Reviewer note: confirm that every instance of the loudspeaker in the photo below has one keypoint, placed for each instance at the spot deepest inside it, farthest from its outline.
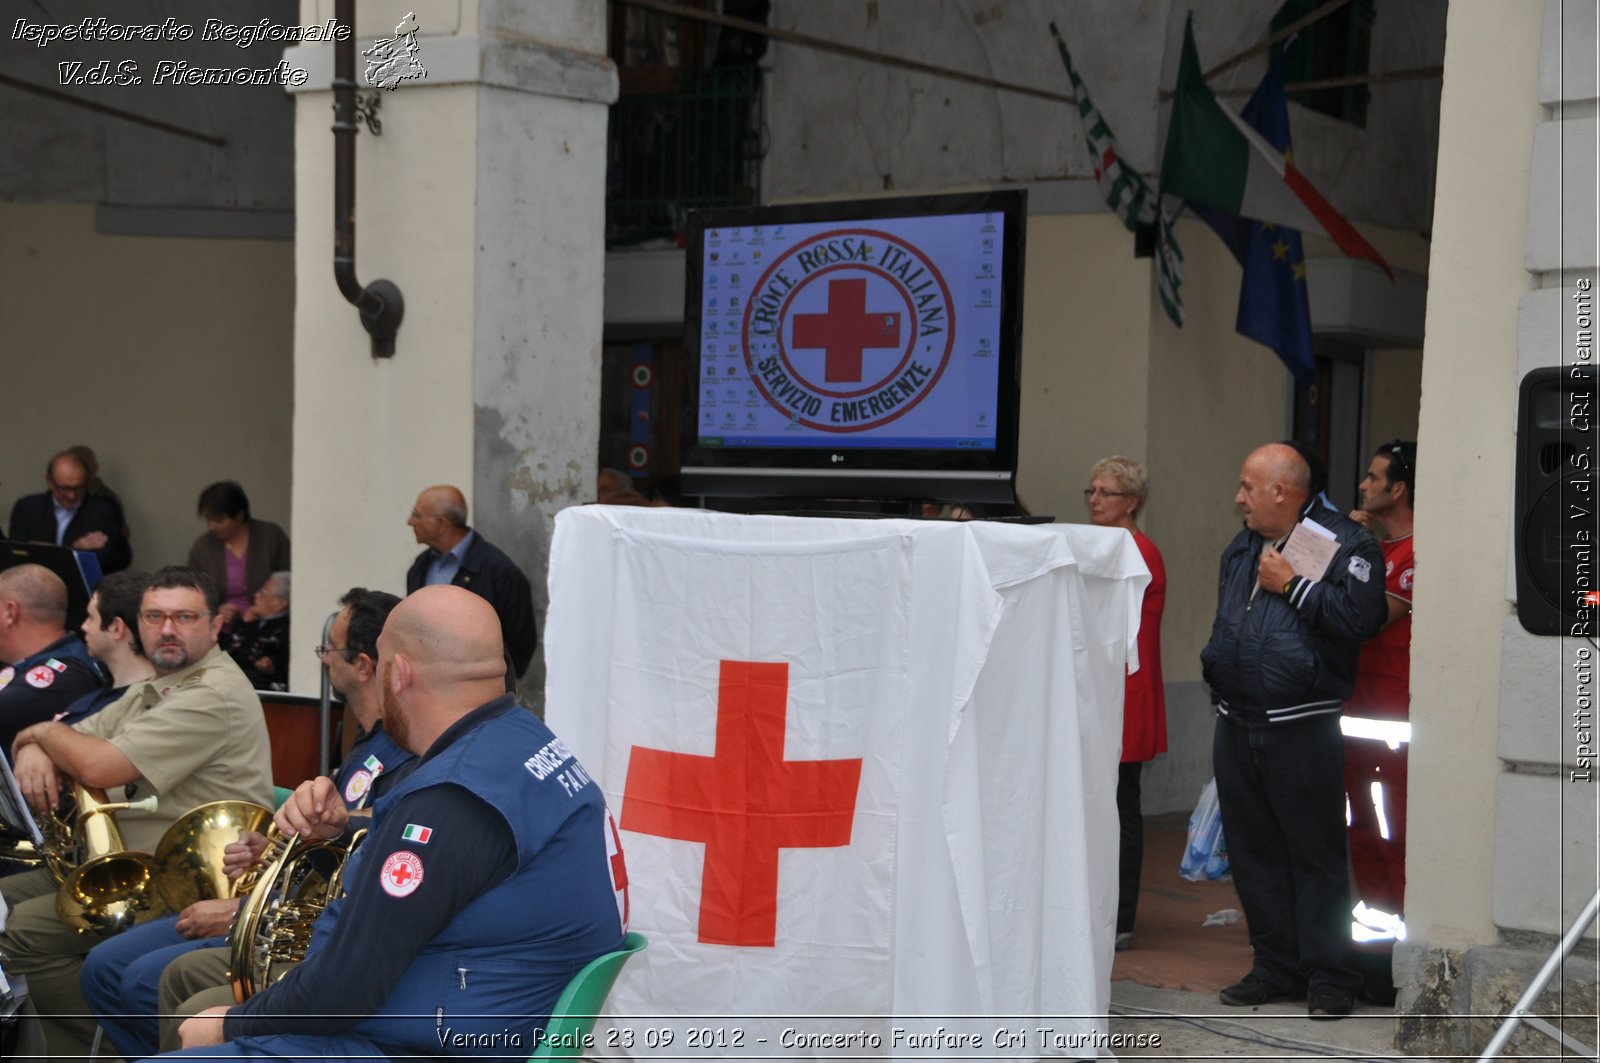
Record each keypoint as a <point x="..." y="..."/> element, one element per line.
<point x="1556" y="501"/>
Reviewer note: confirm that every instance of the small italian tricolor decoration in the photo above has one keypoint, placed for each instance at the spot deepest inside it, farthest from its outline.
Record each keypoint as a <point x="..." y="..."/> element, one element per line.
<point x="374" y="765"/>
<point x="415" y="832"/>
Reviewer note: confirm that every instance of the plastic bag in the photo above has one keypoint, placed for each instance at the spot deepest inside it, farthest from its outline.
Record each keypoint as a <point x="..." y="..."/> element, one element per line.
<point x="1206" y="855"/>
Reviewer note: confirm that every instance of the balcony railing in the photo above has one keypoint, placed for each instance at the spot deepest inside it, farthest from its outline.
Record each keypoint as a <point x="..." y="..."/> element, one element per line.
<point x="696" y="141"/>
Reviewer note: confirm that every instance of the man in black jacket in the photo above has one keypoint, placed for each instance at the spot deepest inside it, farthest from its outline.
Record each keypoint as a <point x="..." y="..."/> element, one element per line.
<point x="460" y="556"/>
<point x="69" y="515"/>
<point x="1282" y="657"/>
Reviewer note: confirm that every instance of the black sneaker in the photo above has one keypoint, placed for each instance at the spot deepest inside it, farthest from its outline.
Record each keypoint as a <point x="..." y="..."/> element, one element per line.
<point x="1250" y="991"/>
<point x="1328" y="1002"/>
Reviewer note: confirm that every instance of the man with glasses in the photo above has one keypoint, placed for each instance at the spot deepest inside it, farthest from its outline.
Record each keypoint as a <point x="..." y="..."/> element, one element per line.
<point x="69" y="515"/>
<point x="1279" y="664"/>
<point x="191" y="734"/>
<point x="123" y="978"/>
<point x="1375" y="771"/>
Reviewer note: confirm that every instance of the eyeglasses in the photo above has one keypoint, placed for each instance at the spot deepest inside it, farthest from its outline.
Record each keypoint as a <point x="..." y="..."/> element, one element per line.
<point x="1090" y="493"/>
<point x="68" y="489"/>
<point x="349" y="652"/>
<point x="184" y="618"/>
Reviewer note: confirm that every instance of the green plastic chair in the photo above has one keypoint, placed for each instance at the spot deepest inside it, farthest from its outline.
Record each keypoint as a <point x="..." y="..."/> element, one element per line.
<point x="573" y="1017"/>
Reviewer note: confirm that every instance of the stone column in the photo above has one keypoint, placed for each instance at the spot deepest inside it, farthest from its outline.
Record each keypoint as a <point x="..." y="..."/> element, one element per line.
<point x="483" y="199"/>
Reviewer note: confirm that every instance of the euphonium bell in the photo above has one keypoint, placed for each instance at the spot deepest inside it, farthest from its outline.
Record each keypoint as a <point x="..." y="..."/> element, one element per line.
<point x="112" y="888"/>
<point x="190" y="853"/>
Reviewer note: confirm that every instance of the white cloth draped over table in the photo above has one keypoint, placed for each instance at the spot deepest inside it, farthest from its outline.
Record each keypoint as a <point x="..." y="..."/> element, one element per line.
<point x="937" y="773"/>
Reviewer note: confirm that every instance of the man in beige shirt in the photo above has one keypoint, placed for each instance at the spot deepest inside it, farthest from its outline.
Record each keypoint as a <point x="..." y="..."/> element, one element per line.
<point x="191" y="734"/>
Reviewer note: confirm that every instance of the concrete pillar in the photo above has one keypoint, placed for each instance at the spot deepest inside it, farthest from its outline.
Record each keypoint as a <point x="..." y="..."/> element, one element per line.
<point x="1466" y="446"/>
<point x="483" y="199"/>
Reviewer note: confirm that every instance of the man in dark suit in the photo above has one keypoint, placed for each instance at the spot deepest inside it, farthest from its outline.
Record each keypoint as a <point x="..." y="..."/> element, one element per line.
<point x="460" y="556"/>
<point x="68" y="515"/>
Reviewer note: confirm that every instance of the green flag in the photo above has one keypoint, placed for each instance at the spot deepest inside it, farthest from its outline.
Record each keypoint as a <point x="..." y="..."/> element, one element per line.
<point x="1127" y="193"/>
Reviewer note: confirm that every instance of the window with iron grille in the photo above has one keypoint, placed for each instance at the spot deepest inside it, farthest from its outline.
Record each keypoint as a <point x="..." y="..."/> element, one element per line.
<point x="686" y="130"/>
<point x="1339" y="45"/>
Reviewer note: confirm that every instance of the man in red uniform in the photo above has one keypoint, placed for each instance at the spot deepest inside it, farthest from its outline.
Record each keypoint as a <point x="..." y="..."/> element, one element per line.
<point x="1375" y="770"/>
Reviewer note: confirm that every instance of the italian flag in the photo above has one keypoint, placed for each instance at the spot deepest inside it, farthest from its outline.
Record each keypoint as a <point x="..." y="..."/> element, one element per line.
<point x="1213" y="159"/>
<point x="417" y="833"/>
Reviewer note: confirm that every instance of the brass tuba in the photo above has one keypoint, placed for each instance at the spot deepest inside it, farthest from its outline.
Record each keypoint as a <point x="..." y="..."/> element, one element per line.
<point x="122" y="888"/>
<point x="299" y="877"/>
<point x="112" y="887"/>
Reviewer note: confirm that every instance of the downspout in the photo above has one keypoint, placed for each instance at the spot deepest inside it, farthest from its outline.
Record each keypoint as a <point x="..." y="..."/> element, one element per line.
<point x="379" y="303"/>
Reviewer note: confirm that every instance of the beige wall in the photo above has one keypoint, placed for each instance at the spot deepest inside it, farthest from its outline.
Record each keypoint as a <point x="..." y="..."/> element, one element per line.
<point x="372" y="432"/>
<point x="1085" y="354"/>
<point x="171" y="357"/>
<point x="1395" y="387"/>
<point x="1217" y="397"/>
<point x="1466" y="450"/>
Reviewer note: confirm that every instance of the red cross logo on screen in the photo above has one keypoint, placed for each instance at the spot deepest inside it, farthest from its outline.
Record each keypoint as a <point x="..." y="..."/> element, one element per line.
<point x="745" y="803"/>
<point x="846" y="330"/>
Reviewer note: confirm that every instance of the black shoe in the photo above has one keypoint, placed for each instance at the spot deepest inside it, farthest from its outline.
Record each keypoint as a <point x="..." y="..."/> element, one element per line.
<point x="1250" y="991"/>
<point x="1328" y="1002"/>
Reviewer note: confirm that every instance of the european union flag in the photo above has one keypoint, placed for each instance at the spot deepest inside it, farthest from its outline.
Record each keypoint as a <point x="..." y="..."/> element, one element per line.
<point x="1273" y="307"/>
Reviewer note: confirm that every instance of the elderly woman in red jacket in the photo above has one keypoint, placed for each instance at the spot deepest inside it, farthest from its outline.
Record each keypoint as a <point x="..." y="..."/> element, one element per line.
<point x="1116" y="494"/>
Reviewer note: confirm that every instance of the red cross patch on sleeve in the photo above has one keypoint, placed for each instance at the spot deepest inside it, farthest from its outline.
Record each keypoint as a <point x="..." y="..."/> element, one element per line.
<point x="401" y="874"/>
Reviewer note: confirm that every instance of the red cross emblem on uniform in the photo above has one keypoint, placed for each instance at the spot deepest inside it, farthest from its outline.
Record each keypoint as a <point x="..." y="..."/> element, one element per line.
<point x="744" y="803"/>
<point x="401" y="874"/>
<point x="40" y="677"/>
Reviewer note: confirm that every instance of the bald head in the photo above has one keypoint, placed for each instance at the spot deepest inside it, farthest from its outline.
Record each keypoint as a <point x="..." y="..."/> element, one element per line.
<point x="609" y="483"/>
<point x="444" y="500"/>
<point x="33" y="611"/>
<point x="1283" y="463"/>
<point x="449" y="634"/>
<point x="439" y="519"/>
<point x="1273" y="487"/>
<point x="440" y="656"/>
<point x="38" y="594"/>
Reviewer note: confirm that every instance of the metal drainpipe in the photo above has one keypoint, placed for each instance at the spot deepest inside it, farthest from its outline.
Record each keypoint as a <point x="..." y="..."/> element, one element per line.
<point x="380" y="303"/>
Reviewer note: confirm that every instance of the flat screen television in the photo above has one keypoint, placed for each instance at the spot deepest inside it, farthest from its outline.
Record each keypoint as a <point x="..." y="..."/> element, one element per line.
<point x="856" y="350"/>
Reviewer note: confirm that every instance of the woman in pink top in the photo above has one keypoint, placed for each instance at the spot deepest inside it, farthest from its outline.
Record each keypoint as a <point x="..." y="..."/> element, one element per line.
<point x="1116" y="495"/>
<point x="236" y="551"/>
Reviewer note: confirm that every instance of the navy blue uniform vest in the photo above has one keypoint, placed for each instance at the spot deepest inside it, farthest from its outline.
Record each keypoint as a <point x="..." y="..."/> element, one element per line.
<point x="371" y="765"/>
<point x="496" y="970"/>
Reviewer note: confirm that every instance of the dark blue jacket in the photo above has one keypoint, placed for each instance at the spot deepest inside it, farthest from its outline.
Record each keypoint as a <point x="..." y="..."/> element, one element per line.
<point x="1278" y="658"/>
<point x="39" y="687"/>
<point x="372" y="767"/>
<point x="496" y="967"/>
<point x="487" y="572"/>
<point x="33" y="519"/>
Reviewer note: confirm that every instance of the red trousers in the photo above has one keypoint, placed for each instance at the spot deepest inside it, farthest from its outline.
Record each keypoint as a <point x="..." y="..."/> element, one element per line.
<point x="1378" y="865"/>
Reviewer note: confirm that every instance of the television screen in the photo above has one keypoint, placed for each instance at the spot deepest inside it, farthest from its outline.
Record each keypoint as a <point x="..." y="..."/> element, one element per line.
<point x="856" y="350"/>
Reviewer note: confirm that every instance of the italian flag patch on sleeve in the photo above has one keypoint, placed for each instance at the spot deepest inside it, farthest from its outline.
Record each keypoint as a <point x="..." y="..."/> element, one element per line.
<point x="415" y="832"/>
